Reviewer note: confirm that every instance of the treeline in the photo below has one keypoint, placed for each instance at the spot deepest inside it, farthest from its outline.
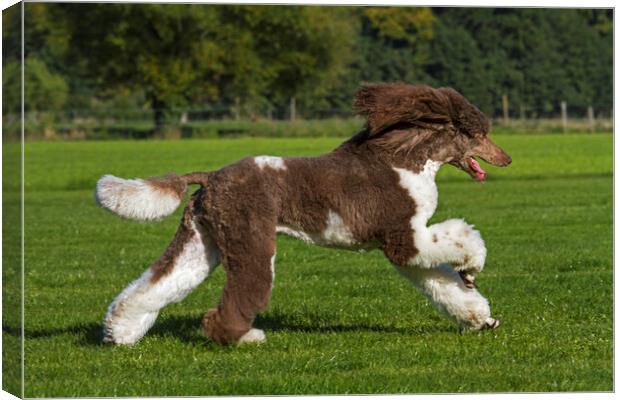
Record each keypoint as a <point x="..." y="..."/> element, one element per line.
<point x="256" y="60"/>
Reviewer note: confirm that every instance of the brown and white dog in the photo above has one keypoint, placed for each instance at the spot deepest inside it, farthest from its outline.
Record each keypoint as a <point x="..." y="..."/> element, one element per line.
<point x="376" y="190"/>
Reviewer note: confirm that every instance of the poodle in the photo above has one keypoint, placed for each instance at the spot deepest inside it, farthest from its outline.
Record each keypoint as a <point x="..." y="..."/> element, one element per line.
<point x="375" y="191"/>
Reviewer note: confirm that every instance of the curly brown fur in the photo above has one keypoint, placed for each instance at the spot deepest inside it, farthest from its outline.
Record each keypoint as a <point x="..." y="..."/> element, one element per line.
<point x="387" y="104"/>
<point x="465" y="116"/>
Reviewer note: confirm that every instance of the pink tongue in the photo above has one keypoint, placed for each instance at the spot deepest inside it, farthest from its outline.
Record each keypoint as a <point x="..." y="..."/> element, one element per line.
<point x="480" y="173"/>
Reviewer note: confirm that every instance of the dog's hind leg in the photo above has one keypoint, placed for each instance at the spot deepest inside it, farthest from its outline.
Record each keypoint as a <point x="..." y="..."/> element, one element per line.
<point x="249" y="278"/>
<point x="444" y="287"/>
<point x="187" y="261"/>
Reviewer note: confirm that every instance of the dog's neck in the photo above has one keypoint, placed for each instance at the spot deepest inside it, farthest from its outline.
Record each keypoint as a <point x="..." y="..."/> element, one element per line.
<point x="422" y="188"/>
<point x="431" y="168"/>
<point x="418" y="160"/>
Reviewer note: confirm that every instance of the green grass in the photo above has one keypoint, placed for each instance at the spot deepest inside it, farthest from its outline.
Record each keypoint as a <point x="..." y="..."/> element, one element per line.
<point x="338" y="322"/>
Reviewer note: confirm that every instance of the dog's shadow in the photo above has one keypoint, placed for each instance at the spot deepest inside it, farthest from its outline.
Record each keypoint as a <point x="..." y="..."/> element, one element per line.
<point x="88" y="334"/>
<point x="318" y="324"/>
<point x="187" y="328"/>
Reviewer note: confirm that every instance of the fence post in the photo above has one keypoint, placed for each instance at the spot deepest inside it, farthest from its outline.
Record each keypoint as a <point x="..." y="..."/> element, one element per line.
<point x="564" y="117"/>
<point x="293" y="107"/>
<point x="505" y="107"/>
<point x="591" y="118"/>
<point x="237" y="108"/>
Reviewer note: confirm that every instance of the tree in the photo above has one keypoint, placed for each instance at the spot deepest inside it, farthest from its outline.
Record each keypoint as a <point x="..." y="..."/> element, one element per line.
<point x="537" y="57"/>
<point x="43" y="90"/>
<point x="299" y="51"/>
<point x="456" y="61"/>
<point x="187" y="54"/>
<point x="390" y="44"/>
<point x="168" y="57"/>
<point x="166" y="51"/>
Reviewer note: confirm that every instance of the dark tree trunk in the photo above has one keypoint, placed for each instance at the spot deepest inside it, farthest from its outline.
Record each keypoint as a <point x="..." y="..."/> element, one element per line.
<point x="159" y="114"/>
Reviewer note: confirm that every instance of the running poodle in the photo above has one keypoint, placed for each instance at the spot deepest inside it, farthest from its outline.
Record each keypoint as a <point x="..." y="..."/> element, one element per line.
<point x="376" y="190"/>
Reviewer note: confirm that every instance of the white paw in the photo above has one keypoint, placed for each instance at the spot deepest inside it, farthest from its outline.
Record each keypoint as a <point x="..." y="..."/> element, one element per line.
<point x="490" y="323"/>
<point x="126" y="328"/>
<point x="253" y="336"/>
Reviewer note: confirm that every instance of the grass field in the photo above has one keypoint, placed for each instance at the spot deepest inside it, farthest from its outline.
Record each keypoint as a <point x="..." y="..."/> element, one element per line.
<point x="339" y="322"/>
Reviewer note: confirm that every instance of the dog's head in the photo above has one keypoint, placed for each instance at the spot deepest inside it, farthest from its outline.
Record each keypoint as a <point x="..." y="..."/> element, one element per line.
<point x="439" y="123"/>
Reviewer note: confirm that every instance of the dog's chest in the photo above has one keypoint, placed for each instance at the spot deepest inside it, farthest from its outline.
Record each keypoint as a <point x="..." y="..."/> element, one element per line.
<point x="422" y="190"/>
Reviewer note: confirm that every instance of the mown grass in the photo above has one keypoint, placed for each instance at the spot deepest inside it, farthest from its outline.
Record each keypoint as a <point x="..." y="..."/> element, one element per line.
<point x="339" y="322"/>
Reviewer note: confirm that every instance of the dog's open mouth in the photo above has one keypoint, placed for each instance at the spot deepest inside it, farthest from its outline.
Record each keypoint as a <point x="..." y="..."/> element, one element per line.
<point x="475" y="167"/>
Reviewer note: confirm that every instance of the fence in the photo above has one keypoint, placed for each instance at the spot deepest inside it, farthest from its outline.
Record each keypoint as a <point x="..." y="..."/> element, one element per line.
<point x="111" y="123"/>
<point x="561" y="117"/>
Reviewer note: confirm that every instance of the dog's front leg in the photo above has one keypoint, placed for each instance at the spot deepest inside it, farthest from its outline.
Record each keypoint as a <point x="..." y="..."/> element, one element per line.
<point x="454" y="242"/>
<point x="249" y="280"/>
<point x="443" y="286"/>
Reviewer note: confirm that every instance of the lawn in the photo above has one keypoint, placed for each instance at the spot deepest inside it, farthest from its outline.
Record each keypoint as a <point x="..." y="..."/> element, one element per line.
<point x="338" y="322"/>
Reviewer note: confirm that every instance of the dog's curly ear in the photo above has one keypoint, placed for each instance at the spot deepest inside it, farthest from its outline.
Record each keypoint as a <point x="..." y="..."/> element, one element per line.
<point x="465" y="116"/>
<point x="387" y="104"/>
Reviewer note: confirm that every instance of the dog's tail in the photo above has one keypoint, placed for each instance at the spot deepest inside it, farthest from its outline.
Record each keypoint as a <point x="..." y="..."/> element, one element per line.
<point x="145" y="199"/>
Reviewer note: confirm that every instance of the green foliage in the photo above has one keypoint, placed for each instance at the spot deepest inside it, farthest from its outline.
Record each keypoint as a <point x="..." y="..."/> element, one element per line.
<point x="251" y="60"/>
<point x="276" y="53"/>
<point x="11" y="33"/>
<point x="411" y="25"/>
<point x="339" y="321"/>
<point x="165" y="51"/>
<point x="190" y="54"/>
<point x="391" y="45"/>
<point x="44" y="90"/>
<point x="538" y="57"/>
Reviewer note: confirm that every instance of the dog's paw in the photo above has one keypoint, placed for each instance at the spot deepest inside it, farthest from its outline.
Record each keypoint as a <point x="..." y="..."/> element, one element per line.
<point x="208" y="321"/>
<point x="469" y="279"/>
<point x="490" y="324"/>
<point x="253" y="336"/>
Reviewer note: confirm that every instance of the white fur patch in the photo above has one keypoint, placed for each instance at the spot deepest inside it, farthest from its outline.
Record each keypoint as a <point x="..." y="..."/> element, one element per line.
<point x="444" y="287"/>
<point x="336" y="234"/>
<point x="135" y="198"/>
<point x="272" y="267"/>
<point x="423" y="190"/>
<point x="297" y="234"/>
<point x="452" y="241"/>
<point x="270" y="161"/>
<point x="134" y="311"/>
<point x="253" y="336"/>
